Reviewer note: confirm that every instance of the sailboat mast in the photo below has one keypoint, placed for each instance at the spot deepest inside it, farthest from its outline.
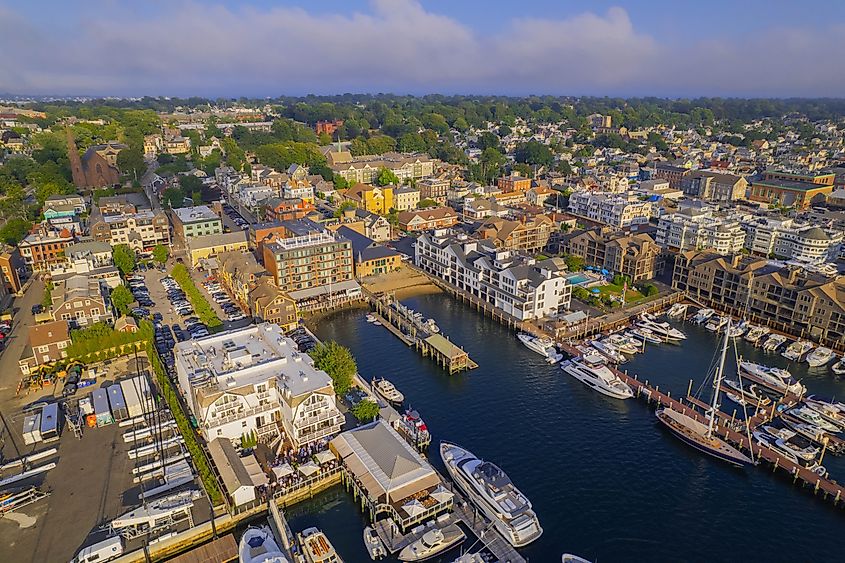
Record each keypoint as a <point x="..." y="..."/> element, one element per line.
<point x="718" y="382"/>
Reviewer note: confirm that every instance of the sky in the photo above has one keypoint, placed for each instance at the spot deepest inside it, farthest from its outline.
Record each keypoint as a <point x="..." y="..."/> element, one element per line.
<point x="258" y="48"/>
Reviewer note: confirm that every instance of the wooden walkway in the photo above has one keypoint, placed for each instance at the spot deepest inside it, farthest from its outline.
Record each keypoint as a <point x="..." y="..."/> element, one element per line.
<point x="733" y="431"/>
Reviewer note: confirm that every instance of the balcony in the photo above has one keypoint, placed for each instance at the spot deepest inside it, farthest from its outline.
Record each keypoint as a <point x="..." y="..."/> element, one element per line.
<point x="300" y="423"/>
<point x="240" y="415"/>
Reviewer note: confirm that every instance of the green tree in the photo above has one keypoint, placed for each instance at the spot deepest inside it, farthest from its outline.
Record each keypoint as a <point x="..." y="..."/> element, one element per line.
<point x="337" y="361"/>
<point x="534" y="153"/>
<point x="121" y="298"/>
<point x="124" y="259"/>
<point x="343" y="207"/>
<point x="14" y="230"/>
<point x="386" y="177"/>
<point x="366" y="410"/>
<point x="427" y="202"/>
<point x="130" y="161"/>
<point x="173" y="198"/>
<point x="574" y="263"/>
<point x="161" y="253"/>
<point x="47" y="298"/>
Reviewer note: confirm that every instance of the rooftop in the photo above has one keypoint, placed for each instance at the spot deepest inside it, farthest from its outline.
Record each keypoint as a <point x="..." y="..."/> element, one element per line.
<point x="195" y="214"/>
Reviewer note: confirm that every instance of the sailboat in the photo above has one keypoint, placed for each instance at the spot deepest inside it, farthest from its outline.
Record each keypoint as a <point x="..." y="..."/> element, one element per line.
<point x="699" y="435"/>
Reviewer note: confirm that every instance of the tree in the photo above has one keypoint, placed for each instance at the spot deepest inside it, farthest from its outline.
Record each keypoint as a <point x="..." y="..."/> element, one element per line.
<point x="386" y="177"/>
<point x="124" y="259"/>
<point x="534" y="153"/>
<point x="161" y="253"/>
<point x="343" y="207"/>
<point x="14" y="230"/>
<point x="323" y="170"/>
<point x="366" y="410"/>
<point x="47" y="298"/>
<point x="427" y="202"/>
<point x="130" y="161"/>
<point x="574" y="263"/>
<point x="173" y="198"/>
<point x="337" y="361"/>
<point x="121" y="298"/>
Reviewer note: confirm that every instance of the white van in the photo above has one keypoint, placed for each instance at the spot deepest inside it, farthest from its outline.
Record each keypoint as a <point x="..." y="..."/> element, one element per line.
<point x="105" y="550"/>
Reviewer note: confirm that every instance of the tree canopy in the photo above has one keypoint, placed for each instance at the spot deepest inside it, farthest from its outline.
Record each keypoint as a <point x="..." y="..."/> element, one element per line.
<point x="124" y="259"/>
<point x="122" y="298"/>
<point x="337" y="361"/>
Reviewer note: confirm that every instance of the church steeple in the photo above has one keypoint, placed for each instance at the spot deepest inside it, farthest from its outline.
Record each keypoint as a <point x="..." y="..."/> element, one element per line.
<point x="79" y="179"/>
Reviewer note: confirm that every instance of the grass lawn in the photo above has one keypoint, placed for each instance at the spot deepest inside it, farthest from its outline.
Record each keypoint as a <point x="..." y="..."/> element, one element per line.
<point x="631" y="296"/>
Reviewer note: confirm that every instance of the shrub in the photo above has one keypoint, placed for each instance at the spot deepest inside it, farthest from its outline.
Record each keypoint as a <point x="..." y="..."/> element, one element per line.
<point x="365" y="411"/>
<point x="198" y="301"/>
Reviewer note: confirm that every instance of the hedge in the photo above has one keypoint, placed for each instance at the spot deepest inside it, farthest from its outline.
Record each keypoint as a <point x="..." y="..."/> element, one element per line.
<point x="201" y="305"/>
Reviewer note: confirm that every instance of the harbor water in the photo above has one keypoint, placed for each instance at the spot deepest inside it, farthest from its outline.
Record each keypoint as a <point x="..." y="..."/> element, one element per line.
<point x="607" y="482"/>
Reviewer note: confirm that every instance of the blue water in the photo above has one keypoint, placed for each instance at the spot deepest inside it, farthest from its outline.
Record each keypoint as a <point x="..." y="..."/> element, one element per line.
<point x="578" y="279"/>
<point x="606" y="481"/>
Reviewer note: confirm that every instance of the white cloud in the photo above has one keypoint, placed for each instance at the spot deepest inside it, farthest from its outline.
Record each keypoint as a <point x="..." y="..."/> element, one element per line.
<point x="399" y="46"/>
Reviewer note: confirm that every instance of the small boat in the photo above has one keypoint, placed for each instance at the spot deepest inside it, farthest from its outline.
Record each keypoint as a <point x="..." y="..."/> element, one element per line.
<point x="431" y="326"/>
<point x="790" y="441"/>
<point x="750" y="393"/>
<point x="755" y="334"/>
<point x="373" y="544"/>
<point x="376" y="323"/>
<point x="737" y="330"/>
<point x="609" y="351"/>
<point x="569" y="558"/>
<point x="703" y="315"/>
<point x="821" y="356"/>
<point x="645" y="335"/>
<point x="805" y="429"/>
<point x="812" y="417"/>
<point x="476" y="557"/>
<point x="661" y="329"/>
<point x="258" y="545"/>
<point x="388" y="391"/>
<point x="624" y="343"/>
<point x="412" y="427"/>
<point x="776" y="378"/>
<point x="371" y="318"/>
<point x="839" y="367"/>
<point x="769" y="441"/>
<point x="541" y="345"/>
<point x="677" y="311"/>
<point x="828" y="411"/>
<point x="432" y="543"/>
<point x="797" y="350"/>
<point x="317" y="547"/>
<point x="592" y="372"/>
<point x="716" y="324"/>
<point x="773" y="342"/>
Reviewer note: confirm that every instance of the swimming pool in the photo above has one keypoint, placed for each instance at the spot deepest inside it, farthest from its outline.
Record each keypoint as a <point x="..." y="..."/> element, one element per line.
<point x="578" y="279"/>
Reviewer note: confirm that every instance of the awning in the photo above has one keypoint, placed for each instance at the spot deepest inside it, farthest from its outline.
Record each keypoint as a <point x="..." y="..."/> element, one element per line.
<point x="413" y="508"/>
<point x="441" y="495"/>
<point x="308" y="469"/>
<point x="282" y="470"/>
<point x="324" y="457"/>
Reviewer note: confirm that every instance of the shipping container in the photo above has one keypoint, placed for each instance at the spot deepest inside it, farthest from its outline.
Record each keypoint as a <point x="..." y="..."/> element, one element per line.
<point x="101" y="407"/>
<point x="136" y="396"/>
<point x="32" y="429"/>
<point x="50" y="422"/>
<point x="118" y="405"/>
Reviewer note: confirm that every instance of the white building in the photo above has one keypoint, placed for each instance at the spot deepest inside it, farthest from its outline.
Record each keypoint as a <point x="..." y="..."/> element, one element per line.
<point x="786" y="239"/>
<point x="298" y="190"/>
<point x="251" y="195"/>
<point x="700" y="228"/>
<point x="518" y="285"/>
<point x="611" y="209"/>
<point x="254" y="380"/>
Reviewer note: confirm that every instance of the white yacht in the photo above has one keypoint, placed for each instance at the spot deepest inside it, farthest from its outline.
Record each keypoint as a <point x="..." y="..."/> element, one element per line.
<point x="594" y="374"/>
<point x="829" y="411"/>
<point x="821" y="356"/>
<point x="789" y="440"/>
<point x="702" y="315"/>
<point x="625" y="344"/>
<point x="645" y="334"/>
<point x="374" y="545"/>
<point x="663" y="330"/>
<point x="773" y="342"/>
<point x="755" y="334"/>
<point x="543" y="346"/>
<point x="387" y="390"/>
<point x="609" y="351"/>
<point x="737" y="330"/>
<point x="492" y="491"/>
<point x="812" y="417"/>
<point x="157" y="513"/>
<point x="677" y="311"/>
<point x="839" y="367"/>
<point x="432" y="543"/>
<point x="317" y="547"/>
<point x="797" y="350"/>
<point x="258" y="545"/>
<point x="716" y="324"/>
<point x="764" y="439"/>
<point x="776" y="378"/>
<point x="570" y="558"/>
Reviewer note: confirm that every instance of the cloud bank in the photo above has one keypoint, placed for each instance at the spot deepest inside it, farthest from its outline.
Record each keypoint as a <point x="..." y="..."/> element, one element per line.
<point x="188" y="48"/>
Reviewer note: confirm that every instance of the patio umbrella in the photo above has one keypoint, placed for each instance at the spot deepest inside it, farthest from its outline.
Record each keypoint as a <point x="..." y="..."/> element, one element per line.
<point x="441" y="495"/>
<point x="324" y="457"/>
<point x="283" y="470"/>
<point x="414" y="507"/>
<point x="309" y="468"/>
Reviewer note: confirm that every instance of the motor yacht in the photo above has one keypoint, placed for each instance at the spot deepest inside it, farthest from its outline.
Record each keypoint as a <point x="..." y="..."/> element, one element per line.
<point x="645" y="335"/>
<point x="769" y="441"/>
<point x="413" y="428"/>
<point x="828" y="411"/>
<point x="317" y="547"/>
<point x="258" y="545"/>
<point x="609" y="351"/>
<point x="839" y="367"/>
<point x="594" y="374"/>
<point x="812" y="417"/>
<point x="749" y="393"/>
<point x="374" y="545"/>
<point x="624" y="343"/>
<point x="432" y="543"/>
<point x="716" y="324"/>
<point x="703" y="315"/>
<point x="543" y="346"/>
<point x="773" y="342"/>
<point x="819" y="357"/>
<point x="755" y="334"/>
<point x="737" y="330"/>
<point x="790" y="441"/>
<point x="491" y="490"/>
<point x="388" y="391"/>
<point x="797" y="350"/>
<point x="569" y="558"/>
<point x="776" y="378"/>
<point x="677" y="311"/>
<point x="661" y="329"/>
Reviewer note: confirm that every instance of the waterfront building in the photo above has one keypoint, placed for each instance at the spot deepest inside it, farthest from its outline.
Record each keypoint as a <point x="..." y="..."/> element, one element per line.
<point x="789" y="189"/>
<point x="697" y="227"/>
<point x="427" y="219"/>
<point x="790" y="298"/>
<point x="391" y="476"/>
<point x="270" y="304"/>
<point x="610" y="209"/>
<point x="635" y="255"/>
<point x="520" y="286"/>
<point x="81" y="301"/>
<point x="786" y="239"/>
<point x="196" y="221"/>
<point x="530" y="235"/>
<point x="370" y="257"/>
<point x="254" y="382"/>
<point x="714" y="186"/>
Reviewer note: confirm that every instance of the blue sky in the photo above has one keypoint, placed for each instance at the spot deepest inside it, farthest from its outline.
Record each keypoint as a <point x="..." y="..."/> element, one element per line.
<point x="271" y="47"/>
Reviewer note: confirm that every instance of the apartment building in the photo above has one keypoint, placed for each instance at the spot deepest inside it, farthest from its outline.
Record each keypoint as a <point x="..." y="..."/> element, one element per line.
<point x="789" y="298"/>
<point x="254" y="382"/>
<point x="252" y="196"/>
<point x="48" y="343"/>
<point x="714" y="186"/>
<point x="370" y="257"/>
<point x="530" y="235"/>
<point x="434" y="188"/>
<point x="368" y="224"/>
<point x="270" y="304"/>
<point x="375" y="199"/>
<point x="365" y="169"/>
<point x="299" y="189"/>
<point x="698" y="228"/>
<point x="635" y="255"/>
<point x="611" y="209"/>
<point x="791" y="189"/>
<point x="516" y="284"/>
<point x="81" y="301"/>
<point x="427" y="219"/>
<point x="204" y="247"/>
<point x="197" y="221"/>
<point x="405" y="198"/>
<point x="672" y="174"/>
<point x="141" y="231"/>
<point x="278" y="209"/>
<point x="788" y="240"/>
<point x="45" y="248"/>
<point x="513" y="183"/>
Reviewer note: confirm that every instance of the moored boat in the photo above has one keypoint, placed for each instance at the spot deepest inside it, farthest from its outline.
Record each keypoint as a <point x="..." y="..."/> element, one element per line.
<point x="594" y="374"/>
<point x="625" y="344"/>
<point x="788" y="439"/>
<point x="737" y="330"/>
<point x="374" y="545"/>
<point x="412" y="427"/>
<point x="810" y="416"/>
<point x="715" y="324"/>
<point x="609" y="351"/>
<point x="748" y="392"/>
<point x="645" y="335"/>
<point x="317" y="548"/>
<point x="839" y="367"/>
<point x="819" y="357"/>
<point x="569" y="558"/>
<point x="797" y="350"/>
<point x="828" y="411"/>
<point x="258" y="545"/>
<point x="388" y="391"/>
<point x="772" y="377"/>
<point x="543" y="346"/>
<point x="769" y="441"/>
<point x="371" y="318"/>
<point x="432" y="543"/>
<point x="662" y="329"/>
<point x="677" y="311"/>
<point x="703" y="315"/>
<point x="773" y="342"/>
<point x="755" y="334"/>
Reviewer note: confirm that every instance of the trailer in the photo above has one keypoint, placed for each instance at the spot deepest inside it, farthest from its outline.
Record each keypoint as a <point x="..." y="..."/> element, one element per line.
<point x="105" y="550"/>
<point x="102" y="411"/>
<point x="136" y="394"/>
<point x="32" y="429"/>
<point x="50" y="422"/>
<point x="118" y="405"/>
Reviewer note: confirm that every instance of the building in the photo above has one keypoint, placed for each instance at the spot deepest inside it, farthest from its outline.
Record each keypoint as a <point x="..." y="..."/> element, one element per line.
<point x="299" y="189"/>
<point x="434" y="188"/>
<point x="406" y="198"/>
<point x="610" y="209"/>
<point x="787" y="298"/>
<point x="427" y="219"/>
<point x="153" y="145"/>
<point x="48" y="343"/>
<point x="530" y="235"/>
<point x="309" y="257"/>
<point x="92" y="259"/>
<point x="519" y="286"/>
<point x="672" y="174"/>
<point x="365" y="169"/>
<point x="254" y="381"/>
<point x="328" y="127"/>
<point x="374" y="199"/>
<point x="370" y="257"/>
<point x="791" y="190"/>
<point x="97" y="168"/>
<point x="278" y="209"/>
<point x="391" y="478"/>
<point x="373" y="226"/>
<point x="64" y="206"/>
<point x="205" y="247"/>
<point x="635" y="255"/>
<point x="177" y="145"/>
<point x="270" y="304"/>
<point x="785" y="239"/>
<point x="141" y="231"/>
<point x="513" y="183"/>
<point x="196" y="221"/>
<point x="599" y="121"/>
<point x="45" y="248"/>
<point x="714" y="186"/>
<point x="239" y="272"/>
<point x="81" y="301"/>
<point x="240" y="488"/>
<point x="698" y="228"/>
<point x="12" y="268"/>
